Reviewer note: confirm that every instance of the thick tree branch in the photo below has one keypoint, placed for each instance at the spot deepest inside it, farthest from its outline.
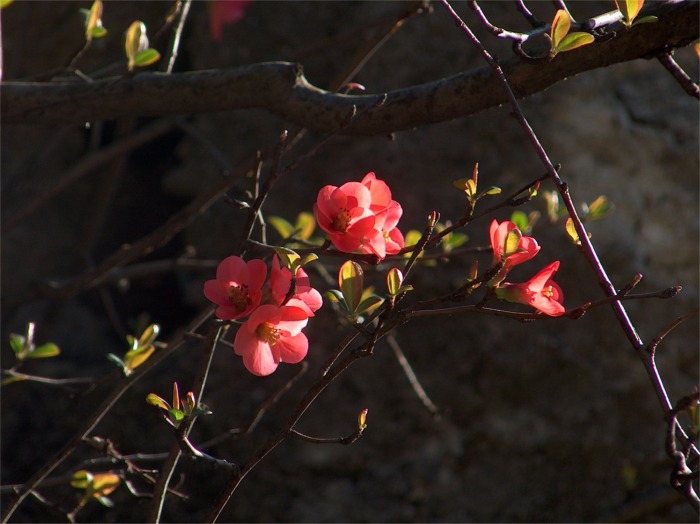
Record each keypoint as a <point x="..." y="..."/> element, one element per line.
<point x="281" y="87"/>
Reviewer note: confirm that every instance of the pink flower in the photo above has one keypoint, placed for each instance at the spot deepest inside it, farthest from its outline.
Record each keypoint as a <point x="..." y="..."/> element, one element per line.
<point x="540" y="292"/>
<point x="344" y="213"/>
<point x="306" y="297"/>
<point x="222" y="12"/>
<point x="237" y="288"/>
<point x="510" y="246"/>
<point x="272" y="335"/>
<point x="361" y="216"/>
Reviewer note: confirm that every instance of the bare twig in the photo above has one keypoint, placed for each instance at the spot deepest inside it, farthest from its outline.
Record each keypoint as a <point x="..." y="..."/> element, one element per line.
<point x="681" y="76"/>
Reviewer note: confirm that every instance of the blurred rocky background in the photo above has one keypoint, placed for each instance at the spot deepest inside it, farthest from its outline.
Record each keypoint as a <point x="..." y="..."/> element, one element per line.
<point x="546" y="421"/>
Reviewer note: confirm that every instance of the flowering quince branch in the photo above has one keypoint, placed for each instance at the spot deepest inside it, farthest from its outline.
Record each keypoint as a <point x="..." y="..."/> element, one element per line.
<point x="588" y="250"/>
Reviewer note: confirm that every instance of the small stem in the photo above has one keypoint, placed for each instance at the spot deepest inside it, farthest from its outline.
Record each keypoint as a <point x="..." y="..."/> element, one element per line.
<point x="679" y="74"/>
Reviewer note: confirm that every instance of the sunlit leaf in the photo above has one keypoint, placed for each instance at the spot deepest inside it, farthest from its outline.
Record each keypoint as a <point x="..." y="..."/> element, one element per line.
<point x="289" y="258"/>
<point x="105" y="483"/>
<point x="574" y="40"/>
<point x="135" y="42"/>
<point x="135" y="358"/>
<point x="573" y="234"/>
<point x="17" y="343"/>
<point x="369" y="304"/>
<point x="492" y="190"/>
<point x="599" y="208"/>
<point x="282" y="226"/>
<point x="411" y="239"/>
<point x="394" y="279"/>
<point x="149" y="335"/>
<point x="94" y="20"/>
<point x="146" y="57"/>
<point x="512" y="242"/>
<point x="560" y="27"/>
<point x="519" y="219"/>
<point x="308" y="258"/>
<point x="5" y="3"/>
<point x="351" y="280"/>
<point x="305" y="225"/>
<point x="81" y="479"/>
<point x="106" y="502"/>
<point x="155" y="400"/>
<point x="361" y="420"/>
<point x="629" y="9"/>
<point x="176" y="415"/>
<point x="646" y="20"/>
<point x="45" y="351"/>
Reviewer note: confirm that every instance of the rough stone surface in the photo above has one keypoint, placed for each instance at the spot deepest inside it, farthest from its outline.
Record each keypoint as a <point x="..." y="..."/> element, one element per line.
<point x="542" y="420"/>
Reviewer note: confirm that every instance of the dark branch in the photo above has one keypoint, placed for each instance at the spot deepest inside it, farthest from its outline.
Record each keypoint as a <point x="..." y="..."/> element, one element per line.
<point x="281" y="87"/>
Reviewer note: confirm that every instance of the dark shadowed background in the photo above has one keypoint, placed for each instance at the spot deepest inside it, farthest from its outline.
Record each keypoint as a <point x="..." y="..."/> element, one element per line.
<point x="548" y="421"/>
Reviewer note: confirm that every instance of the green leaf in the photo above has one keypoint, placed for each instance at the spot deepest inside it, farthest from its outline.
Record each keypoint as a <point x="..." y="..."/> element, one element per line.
<point x="512" y="242"/>
<point x="335" y="296"/>
<point x="5" y="3"/>
<point x="600" y="208"/>
<point x="135" y="42"/>
<point x="351" y="280"/>
<point x="146" y="57"/>
<point x="289" y="258"/>
<point x="629" y="8"/>
<point x="454" y="240"/>
<point x="99" y="32"/>
<point x="282" y="226"/>
<point x="305" y="225"/>
<point x="308" y="258"/>
<point x="105" y="483"/>
<point x="135" y="358"/>
<point x="10" y="380"/>
<point x="560" y="27"/>
<point x="149" y="335"/>
<point x="369" y="303"/>
<point x="646" y="20"/>
<point x="394" y="279"/>
<point x="571" y="231"/>
<point x="574" y="40"/>
<point x="176" y="415"/>
<point x="491" y="190"/>
<point x="519" y="219"/>
<point x="81" y="479"/>
<point x="119" y="362"/>
<point x="411" y="239"/>
<point x="17" y="343"/>
<point x="155" y="400"/>
<point x="45" y="351"/>
<point x="94" y="20"/>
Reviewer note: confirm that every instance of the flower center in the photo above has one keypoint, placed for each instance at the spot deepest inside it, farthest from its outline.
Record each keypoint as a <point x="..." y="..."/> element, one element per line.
<point x="342" y="221"/>
<point x="238" y="297"/>
<point x="548" y="292"/>
<point x="267" y="332"/>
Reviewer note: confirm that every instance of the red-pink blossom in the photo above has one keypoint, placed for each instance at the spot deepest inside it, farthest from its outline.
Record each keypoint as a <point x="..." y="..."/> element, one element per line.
<point x="237" y="287"/>
<point x="306" y="297"/>
<point x="272" y="335"/>
<point x="540" y="292"/>
<point x="344" y="213"/>
<point x="503" y="237"/>
<point x="222" y="12"/>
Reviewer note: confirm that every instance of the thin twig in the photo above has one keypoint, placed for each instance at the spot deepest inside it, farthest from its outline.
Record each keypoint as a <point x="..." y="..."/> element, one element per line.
<point x="679" y="74"/>
<point x="411" y="376"/>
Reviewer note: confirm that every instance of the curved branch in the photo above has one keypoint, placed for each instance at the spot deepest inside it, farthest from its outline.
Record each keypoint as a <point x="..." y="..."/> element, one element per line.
<point x="282" y="88"/>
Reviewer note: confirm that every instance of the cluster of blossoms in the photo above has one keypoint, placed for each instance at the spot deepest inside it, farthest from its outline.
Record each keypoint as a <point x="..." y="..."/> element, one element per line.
<point x="360" y="216"/>
<point x="511" y="248"/>
<point x="272" y="332"/>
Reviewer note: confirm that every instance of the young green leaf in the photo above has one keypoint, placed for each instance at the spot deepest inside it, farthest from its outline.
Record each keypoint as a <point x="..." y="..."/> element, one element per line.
<point x="519" y="219"/>
<point x="149" y="335"/>
<point x="155" y="400"/>
<point x="45" y="351"/>
<point x="146" y="57"/>
<point x="136" y="357"/>
<point x="93" y="23"/>
<point x="135" y="42"/>
<point x="574" y="40"/>
<point x="351" y="280"/>
<point x="282" y="226"/>
<point x="560" y="28"/>
<point x="394" y="280"/>
<point x="5" y="3"/>
<point x="599" y="208"/>
<point x="81" y="479"/>
<point x="368" y="304"/>
<point x="305" y="225"/>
